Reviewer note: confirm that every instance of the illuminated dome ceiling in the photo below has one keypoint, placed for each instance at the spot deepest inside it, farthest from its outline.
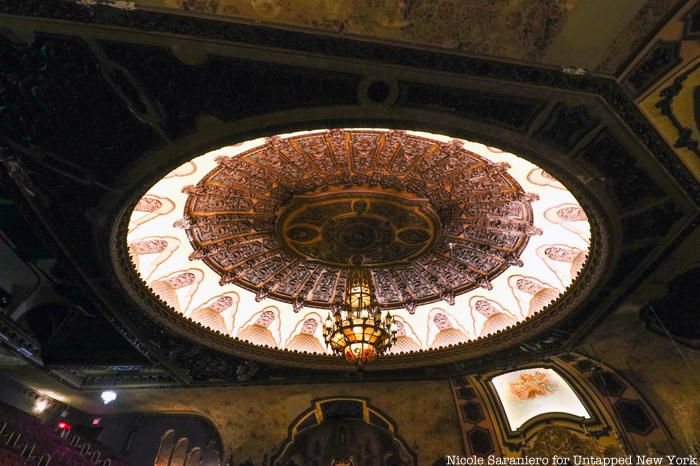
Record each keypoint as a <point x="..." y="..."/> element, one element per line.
<point x="255" y="240"/>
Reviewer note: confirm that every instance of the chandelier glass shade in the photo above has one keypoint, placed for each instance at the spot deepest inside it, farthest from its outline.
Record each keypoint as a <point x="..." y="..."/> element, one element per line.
<point x="357" y="329"/>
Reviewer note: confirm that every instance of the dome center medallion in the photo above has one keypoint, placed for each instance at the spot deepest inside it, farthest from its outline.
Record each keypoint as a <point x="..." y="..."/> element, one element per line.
<point x="368" y="226"/>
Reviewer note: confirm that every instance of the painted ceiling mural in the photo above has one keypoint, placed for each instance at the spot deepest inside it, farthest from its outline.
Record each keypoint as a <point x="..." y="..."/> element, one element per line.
<point x="527" y="393"/>
<point x="524" y="30"/>
<point x="255" y="240"/>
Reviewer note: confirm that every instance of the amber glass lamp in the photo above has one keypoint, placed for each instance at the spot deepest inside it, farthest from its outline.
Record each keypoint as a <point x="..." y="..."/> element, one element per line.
<point x="357" y="329"/>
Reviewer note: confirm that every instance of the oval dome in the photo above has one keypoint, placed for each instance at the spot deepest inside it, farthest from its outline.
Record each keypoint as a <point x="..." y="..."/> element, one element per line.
<point x="255" y="240"/>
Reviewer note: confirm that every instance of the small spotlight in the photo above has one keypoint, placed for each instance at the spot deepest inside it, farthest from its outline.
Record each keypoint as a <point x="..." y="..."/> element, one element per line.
<point x="108" y="396"/>
<point x="96" y="421"/>
<point x="40" y="405"/>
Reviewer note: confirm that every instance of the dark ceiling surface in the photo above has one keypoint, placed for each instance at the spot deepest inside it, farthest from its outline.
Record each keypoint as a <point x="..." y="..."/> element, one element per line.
<point x="546" y="32"/>
<point x="97" y="103"/>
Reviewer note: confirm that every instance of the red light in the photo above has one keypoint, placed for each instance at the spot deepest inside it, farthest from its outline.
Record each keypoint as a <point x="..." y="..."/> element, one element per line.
<point x="96" y="421"/>
<point x="64" y="426"/>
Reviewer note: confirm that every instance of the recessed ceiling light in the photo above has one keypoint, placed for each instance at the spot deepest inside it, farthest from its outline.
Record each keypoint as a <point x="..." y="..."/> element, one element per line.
<point x="108" y="396"/>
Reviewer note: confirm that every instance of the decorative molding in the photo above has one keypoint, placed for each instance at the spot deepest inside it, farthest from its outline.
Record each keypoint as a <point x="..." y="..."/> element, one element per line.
<point x="236" y="89"/>
<point x="257" y="35"/>
<point x="340" y="408"/>
<point x="636" y="421"/>
<point x="194" y="354"/>
<point x="18" y="339"/>
<point x="673" y="315"/>
<point x="668" y="95"/>
<point x="651" y="223"/>
<point x="692" y="24"/>
<point x="600" y="427"/>
<point x="631" y="185"/>
<point x="661" y="59"/>
<point x="566" y="126"/>
<point x="92" y="377"/>
<point x="504" y="110"/>
<point x="476" y="423"/>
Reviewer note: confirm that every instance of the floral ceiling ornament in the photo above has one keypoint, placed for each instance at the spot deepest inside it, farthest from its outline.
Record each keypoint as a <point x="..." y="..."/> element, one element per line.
<point x="532" y="386"/>
<point x="431" y="219"/>
<point x="428" y="219"/>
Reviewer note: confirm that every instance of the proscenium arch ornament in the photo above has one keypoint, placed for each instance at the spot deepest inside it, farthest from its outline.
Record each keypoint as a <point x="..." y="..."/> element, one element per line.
<point x="353" y="430"/>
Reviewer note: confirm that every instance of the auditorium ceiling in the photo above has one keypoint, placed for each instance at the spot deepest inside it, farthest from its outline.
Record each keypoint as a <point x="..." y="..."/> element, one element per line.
<point x="553" y="32"/>
<point x="109" y="108"/>
<point x="255" y="240"/>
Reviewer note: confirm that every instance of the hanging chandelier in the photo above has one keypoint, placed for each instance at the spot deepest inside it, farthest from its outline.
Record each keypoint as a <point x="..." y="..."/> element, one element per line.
<point x="356" y="330"/>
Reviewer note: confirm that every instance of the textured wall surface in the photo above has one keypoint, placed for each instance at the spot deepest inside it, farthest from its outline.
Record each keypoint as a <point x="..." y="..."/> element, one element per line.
<point x="669" y="382"/>
<point x="254" y="420"/>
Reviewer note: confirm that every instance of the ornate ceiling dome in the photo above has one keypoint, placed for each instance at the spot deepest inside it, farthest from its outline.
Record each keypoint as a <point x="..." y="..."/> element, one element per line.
<point x="463" y="240"/>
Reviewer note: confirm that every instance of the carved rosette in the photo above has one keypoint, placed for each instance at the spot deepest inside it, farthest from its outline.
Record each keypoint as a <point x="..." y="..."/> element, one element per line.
<point x="288" y="218"/>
